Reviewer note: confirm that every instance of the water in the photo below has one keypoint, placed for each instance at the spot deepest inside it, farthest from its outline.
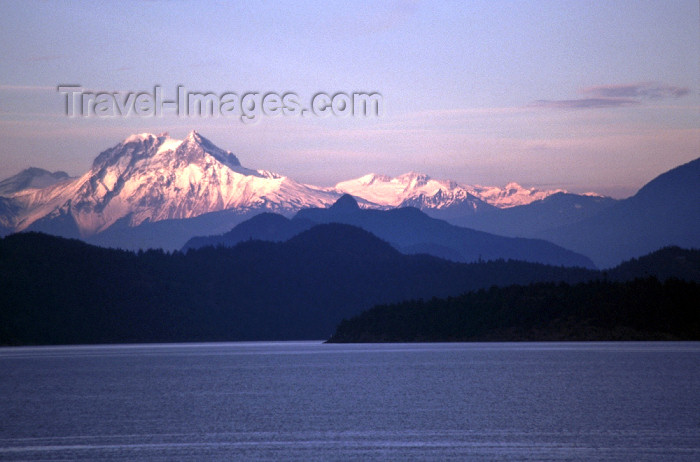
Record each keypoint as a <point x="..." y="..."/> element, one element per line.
<point x="309" y="401"/>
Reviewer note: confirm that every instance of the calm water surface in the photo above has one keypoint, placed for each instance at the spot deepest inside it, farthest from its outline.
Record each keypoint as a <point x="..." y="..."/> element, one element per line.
<point x="309" y="401"/>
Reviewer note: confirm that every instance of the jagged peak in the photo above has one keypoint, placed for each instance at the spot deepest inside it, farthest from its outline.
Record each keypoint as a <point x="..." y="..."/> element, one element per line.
<point x="269" y="174"/>
<point x="372" y="177"/>
<point x="413" y="177"/>
<point x="34" y="171"/>
<point x="413" y="174"/>
<point x="138" y="137"/>
<point x="168" y="144"/>
<point x="194" y="138"/>
<point x="143" y="145"/>
<point x="193" y="135"/>
<point x="32" y="177"/>
<point x="514" y="185"/>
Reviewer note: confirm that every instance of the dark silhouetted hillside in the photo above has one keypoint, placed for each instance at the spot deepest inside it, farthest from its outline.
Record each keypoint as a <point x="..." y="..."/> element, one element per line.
<point x="642" y="309"/>
<point x="60" y="291"/>
<point x="57" y="291"/>
<point x="264" y="227"/>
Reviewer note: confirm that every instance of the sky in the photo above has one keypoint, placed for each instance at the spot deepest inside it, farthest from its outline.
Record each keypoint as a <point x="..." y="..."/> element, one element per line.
<point x="579" y="95"/>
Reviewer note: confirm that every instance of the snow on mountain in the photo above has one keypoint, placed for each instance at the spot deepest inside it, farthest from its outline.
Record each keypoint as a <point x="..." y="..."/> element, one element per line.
<point x="512" y="195"/>
<point x="149" y="178"/>
<point x="421" y="191"/>
<point x="31" y="178"/>
<point x="155" y="177"/>
<point x="410" y="189"/>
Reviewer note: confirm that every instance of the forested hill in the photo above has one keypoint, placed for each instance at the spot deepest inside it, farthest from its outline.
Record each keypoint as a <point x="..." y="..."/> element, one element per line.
<point x="642" y="309"/>
<point x="57" y="291"/>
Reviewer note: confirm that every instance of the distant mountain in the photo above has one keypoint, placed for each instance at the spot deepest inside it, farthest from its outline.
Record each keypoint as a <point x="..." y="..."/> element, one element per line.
<point x="407" y="229"/>
<point x="512" y="195"/>
<point x="413" y="190"/>
<point x="412" y="231"/>
<point x="264" y="227"/>
<point x="157" y="191"/>
<point x="148" y="178"/>
<point x="31" y="178"/>
<point x="169" y="234"/>
<point x="665" y="212"/>
<point x="445" y="197"/>
<point x="530" y="220"/>
<point x="58" y="291"/>
<point x="154" y="190"/>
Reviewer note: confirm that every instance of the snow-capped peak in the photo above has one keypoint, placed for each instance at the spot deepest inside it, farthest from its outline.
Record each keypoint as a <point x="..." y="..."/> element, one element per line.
<point x="31" y="178"/>
<point x="147" y="145"/>
<point x="371" y="178"/>
<point x="156" y="177"/>
<point x="511" y="195"/>
<point x="168" y="145"/>
<point x="139" y="137"/>
<point x="410" y="189"/>
<point x="420" y="190"/>
<point x="197" y="141"/>
<point x="513" y="186"/>
<point x="413" y="179"/>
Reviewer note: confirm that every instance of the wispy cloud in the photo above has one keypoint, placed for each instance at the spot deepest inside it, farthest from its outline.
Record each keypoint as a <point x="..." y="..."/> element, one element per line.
<point x="644" y="90"/>
<point x="620" y="95"/>
<point x="585" y="103"/>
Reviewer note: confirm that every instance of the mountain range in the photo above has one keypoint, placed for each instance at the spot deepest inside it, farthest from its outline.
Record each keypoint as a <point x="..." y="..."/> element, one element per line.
<point x="406" y="228"/>
<point x="150" y="178"/>
<point x="666" y="211"/>
<point x="154" y="191"/>
<point x="58" y="291"/>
